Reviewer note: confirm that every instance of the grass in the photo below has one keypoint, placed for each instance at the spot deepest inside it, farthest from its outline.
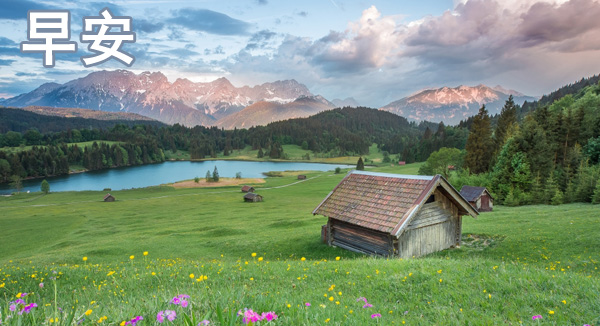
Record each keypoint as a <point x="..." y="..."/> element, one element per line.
<point x="514" y="263"/>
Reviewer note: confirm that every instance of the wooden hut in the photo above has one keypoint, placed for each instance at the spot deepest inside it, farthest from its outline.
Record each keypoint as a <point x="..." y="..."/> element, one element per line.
<point x="252" y="197"/>
<point x="394" y="215"/>
<point x="247" y="189"/>
<point x="478" y="197"/>
<point x="301" y="177"/>
<point x="109" y="198"/>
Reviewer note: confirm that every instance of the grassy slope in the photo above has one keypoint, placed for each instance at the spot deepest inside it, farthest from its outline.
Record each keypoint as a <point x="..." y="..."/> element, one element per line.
<point x="519" y="262"/>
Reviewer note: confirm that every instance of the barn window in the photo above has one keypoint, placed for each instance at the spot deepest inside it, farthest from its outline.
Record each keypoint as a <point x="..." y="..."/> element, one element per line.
<point x="431" y="199"/>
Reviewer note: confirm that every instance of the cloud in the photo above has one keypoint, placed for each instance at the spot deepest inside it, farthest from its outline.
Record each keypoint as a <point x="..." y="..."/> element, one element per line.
<point x="17" y="9"/>
<point x="4" y="62"/>
<point x="260" y="40"/>
<point x="209" y="21"/>
<point x="5" y="41"/>
<point x="302" y="14"/>
<point x="262" y="2"/>
<point x="216" y="50"/>
<point x="146" y="26"/>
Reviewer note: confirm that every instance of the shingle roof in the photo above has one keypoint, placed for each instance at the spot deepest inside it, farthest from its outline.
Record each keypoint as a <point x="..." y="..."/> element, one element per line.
<point x="250" y="195"/>
<point x="381" y="201"/>
<point x="471" y="193"/>
<point x="247" y="188"/>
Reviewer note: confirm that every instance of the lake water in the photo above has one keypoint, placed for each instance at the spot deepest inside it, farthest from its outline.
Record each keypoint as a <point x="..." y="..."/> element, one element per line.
<point x="167" y="172"/>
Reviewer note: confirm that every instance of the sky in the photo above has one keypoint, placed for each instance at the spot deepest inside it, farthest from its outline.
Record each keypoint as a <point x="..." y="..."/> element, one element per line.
<point x="373" y="51"/>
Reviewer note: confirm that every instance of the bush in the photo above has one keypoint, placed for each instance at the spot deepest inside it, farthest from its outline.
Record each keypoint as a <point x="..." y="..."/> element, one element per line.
<point x="45" y="187"/>
<point x="196" y="179"/>
<point x="338" y="170"/>
<point x="238" y="175"/>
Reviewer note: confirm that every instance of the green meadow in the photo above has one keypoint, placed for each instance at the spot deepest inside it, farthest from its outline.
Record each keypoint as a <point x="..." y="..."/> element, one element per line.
<point x="515" y="263"/>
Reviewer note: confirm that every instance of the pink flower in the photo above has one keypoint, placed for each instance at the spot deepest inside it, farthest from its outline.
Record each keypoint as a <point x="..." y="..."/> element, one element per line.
<point x="175" y="300"/>
<point x="41" y="285"/>
<point x="269" y="315"/>
<point x="373" y="316"/>
<point x="134" y="320"/>
<point x="307" y="304"/>
<point x="367" y="305"/>
<point x="26" y="309"/>
<point x="362" y="298"/>
<point x="204" y="322"/>
<point x="184" y="303"/>
<point x="250" y="316"/>
<point x="536" y="317"/>
<point x="12" y="307"/>
<point x="170" y="314"/>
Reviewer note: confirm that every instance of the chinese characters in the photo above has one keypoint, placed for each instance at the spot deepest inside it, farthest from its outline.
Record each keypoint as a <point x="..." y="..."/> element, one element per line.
<point x="48" y="32"/>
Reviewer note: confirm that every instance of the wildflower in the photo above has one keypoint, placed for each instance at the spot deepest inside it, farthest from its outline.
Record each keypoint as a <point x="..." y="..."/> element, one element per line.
<point x="253" y="254"/>
<point x="327" y="320"/>
<point x="132" y="257"/>
<point x="204" y="322"/>
<point x="330" y="298"/>
<point x="373" y="316"/>
<point x="268" y="316"/>
<point x="41" y="285"/>
<point x="440" y="271"/>
<point x="145" y="253"/>
<point x="260" y="259"/>
<point x="536" y="317"/>
<point x="110" y="273"/>
<point x="103" y="318"/>
<point x="88" y="312"/>
<point x="170" y="314"/>
<point x="250" y="316"/>
<point x="440" y="280"/>
<point x="26" y="309"/>
<point x="564" y="301"/>
<point x="367" y="305"/>
<point x="551" y="312"/>
<point x="337" y="258"/>
<point x="192" y="275"/>
<point x="307" y="304"/>
<point x="362" y="298"/>
<point x="134" y="321"/>
<point x="12" y="307"/>
<point x="302" y="259"/>
<point x="84" y="258"/>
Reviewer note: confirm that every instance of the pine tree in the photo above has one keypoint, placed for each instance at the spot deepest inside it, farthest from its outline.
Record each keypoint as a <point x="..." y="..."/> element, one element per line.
<point x="360" y="165"/>
<point x="215" y="175"/>
<point x="479" y="144"/>
<point x="550" y="191"/>
<point x="557" y="199"/>
<point x="510" y="199"/>
<point x="260" y="154"/>
<point x="45" y="187"/>
<point x="208" y="176"/>
<point x="506" y="121"/>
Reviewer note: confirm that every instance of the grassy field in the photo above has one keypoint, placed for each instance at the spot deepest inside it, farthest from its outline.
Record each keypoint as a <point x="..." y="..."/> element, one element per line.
<point x="515" y="263"/>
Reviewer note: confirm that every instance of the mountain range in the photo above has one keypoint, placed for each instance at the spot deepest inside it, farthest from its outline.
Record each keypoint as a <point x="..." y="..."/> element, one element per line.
<point x="451" y="105"/>
<point x="219" y="103"/>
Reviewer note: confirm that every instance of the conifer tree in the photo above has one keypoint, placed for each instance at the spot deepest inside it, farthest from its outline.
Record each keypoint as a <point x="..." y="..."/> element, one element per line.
<point x="506" y="121"/>
<point x="215" y="175"/>
<point x="360" y="165"/>
<point x="260" y="153"/>
<point x="208" y="176"/>
<point x="596" y="195"/>
<point x="45" y="187"/>
<point x="479" y="144"/>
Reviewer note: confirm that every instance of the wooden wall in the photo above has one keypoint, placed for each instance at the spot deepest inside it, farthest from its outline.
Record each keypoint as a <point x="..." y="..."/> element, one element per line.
<point x="358" y="239"/>
<point x="436" y="227"/>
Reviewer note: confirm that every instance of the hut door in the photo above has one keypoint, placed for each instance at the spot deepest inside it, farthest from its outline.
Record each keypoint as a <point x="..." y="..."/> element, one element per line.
<point x="485" y="202"/>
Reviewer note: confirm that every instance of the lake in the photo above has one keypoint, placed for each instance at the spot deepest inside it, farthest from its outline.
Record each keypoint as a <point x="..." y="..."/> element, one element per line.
<point x="167" y="172"/>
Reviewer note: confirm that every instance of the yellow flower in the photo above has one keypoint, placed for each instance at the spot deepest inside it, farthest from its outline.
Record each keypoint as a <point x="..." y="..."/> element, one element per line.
<point x="2" y="285"/>
<point x="260" y="259"/>
<point x="192" y="275"/>
<point x="340" y="293"/>
<point x="145" y="253"/>
<point x="131" y="257"/>
<point x="122" y="323"/>
<point x="564" y="301"/>
<point x="289" y="305"/>
<point x="330" y="298"/>
<point x="440" y="280"/>
<point x="110" y="273"/>
<point x="302" y="259"/>
<point x="253" y="254"/>
<point x="19" y="295"/>
<point x="88" y="312"/>
<point x="337" y="302"/>
<point x="337" y="258"/>
<point x="327" y="320"/>
<point x="84" y="258"/>
<point x="551" y="312"/>
<point x="489" y="296"/>
<point x="252" y="279"/>
<point x="440" y="271"/>
<point x="153" y="274"/>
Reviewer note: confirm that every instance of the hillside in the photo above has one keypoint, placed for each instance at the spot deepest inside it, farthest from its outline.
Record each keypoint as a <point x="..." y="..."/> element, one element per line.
<point x="263" y="112"/>
<point x="514" y="263"/>
<point x="47" y="120"/>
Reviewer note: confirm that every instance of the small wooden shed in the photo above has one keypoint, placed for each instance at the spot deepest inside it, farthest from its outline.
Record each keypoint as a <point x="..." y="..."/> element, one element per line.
<point x="247" y="189"/>
<point x="252" y="197"/>
<point x="394" y="215"/>
<point x="478" y="197"/>
<point x="301" y="177"/>
<point x="109" y="198"/>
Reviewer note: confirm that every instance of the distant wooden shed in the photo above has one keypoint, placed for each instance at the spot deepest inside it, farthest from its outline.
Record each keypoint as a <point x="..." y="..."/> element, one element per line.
<point x="478" y="197"/>
<point x="109" y="198"/>
<point x="394" y="215"/>
<point x="301" y="177"/>
<point x="247" y="189"/>
<point x="252" y="197"/>
<point x="401" y="162"/>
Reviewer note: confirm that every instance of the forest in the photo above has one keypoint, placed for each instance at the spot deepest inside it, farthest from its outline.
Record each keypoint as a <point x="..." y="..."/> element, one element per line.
<point x="338" y="132"/>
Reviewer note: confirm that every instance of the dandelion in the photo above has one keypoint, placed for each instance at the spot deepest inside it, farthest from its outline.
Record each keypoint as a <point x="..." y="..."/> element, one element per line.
<point x="132" y="257"/>
<point x="88" y="312"/>
<point x="330" y="298"/>
<point x="327" y="320"/>
<point x="192" y="275"/>
<point x="551" y="312"/>
<point x="302" y="259"/>
<point x="536" y="317"/>
<point x="84" y="258"/>
<point x="253" y="254"/>
<point x="145" y="253"/>
<point x="440" y="280"/>
<point x="337" y="258"/>
<point x="564" y="301"/>
<point x="110" y="273"/>
<point x="260" y="259"/>
<point x="373" y="316"/>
